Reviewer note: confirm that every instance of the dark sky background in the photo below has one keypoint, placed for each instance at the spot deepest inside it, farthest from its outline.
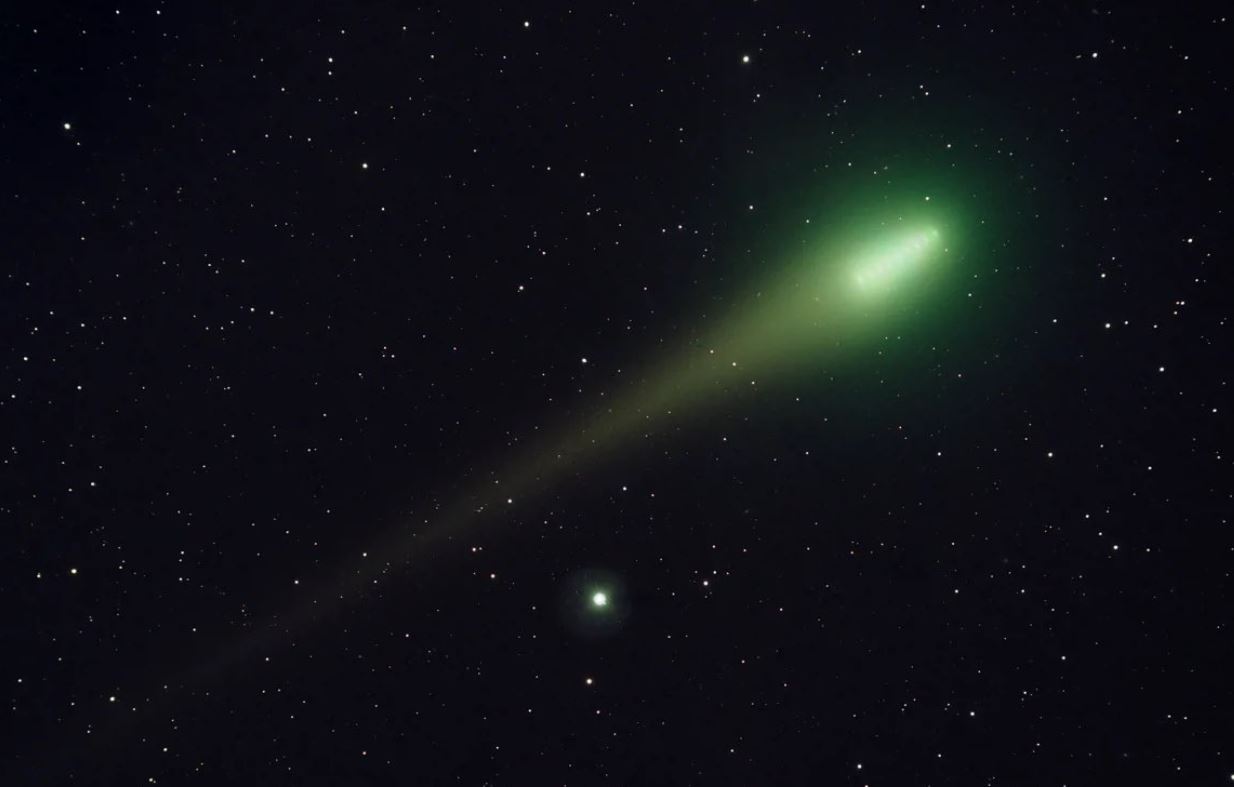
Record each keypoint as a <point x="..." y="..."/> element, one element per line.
<point x="279" y="279"/>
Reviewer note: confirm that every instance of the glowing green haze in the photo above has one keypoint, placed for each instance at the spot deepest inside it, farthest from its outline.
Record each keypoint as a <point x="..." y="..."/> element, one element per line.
<point x="893" y="262"/>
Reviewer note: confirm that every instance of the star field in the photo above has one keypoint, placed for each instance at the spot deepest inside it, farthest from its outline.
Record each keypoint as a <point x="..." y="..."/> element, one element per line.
<point x="753" y="393"/>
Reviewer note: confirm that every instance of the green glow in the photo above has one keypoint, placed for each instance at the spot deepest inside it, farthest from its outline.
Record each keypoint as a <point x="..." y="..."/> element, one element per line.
<point x="894" y="261"/>
<point x="821" y="301"/>
<point x="837" y="283"/>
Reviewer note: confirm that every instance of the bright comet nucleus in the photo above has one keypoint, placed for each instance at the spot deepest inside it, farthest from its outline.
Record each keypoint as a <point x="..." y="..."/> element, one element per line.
<point x="884" y="267"/>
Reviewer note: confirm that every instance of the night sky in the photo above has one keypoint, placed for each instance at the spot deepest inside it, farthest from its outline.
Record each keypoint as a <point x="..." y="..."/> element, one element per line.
<point x="480" y="394"/>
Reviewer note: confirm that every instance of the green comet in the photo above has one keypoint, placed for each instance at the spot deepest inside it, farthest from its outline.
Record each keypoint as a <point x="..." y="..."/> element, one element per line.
<point x="799" y="317"/>
<point x="821" y="302"/>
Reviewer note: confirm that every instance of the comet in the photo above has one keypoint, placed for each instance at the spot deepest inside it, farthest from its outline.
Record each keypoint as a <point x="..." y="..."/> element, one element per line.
<point x="817" y="303"/>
